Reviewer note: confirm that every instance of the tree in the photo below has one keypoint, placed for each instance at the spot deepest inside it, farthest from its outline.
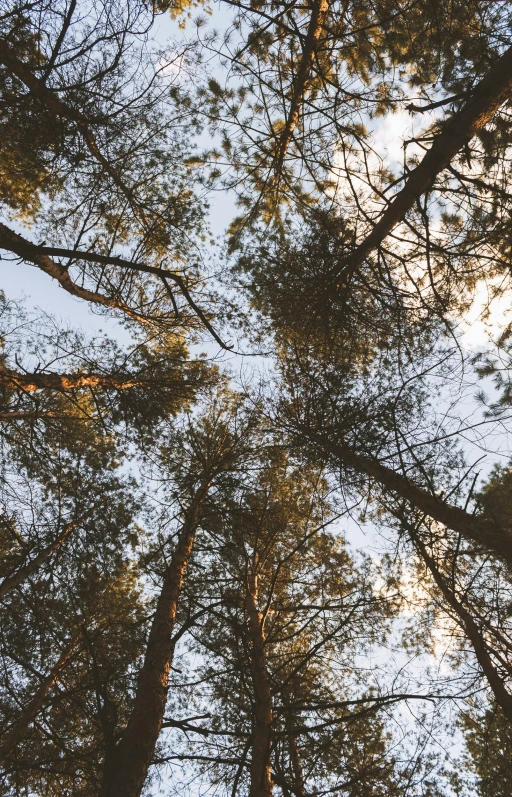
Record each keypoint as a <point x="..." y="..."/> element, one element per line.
<point x="103" y="178"/>
<point x="71" y="611"/>
<point x="488" y="741"/>
<point x="304" y="82"/>
<point x="50" y="375"/>
<point x="200" y="459"/>
<point x="285" y="611"/>
<point x="177" y="598"/>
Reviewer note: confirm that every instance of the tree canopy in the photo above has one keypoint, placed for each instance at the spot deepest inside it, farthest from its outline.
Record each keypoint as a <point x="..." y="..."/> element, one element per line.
<point x="256" y="515"/>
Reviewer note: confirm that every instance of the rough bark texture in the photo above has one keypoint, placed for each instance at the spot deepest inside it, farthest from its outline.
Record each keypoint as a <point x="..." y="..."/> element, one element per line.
<point x="501" y="694"/>
<point x="18" y="731"/>
<point x="126" y="768"/>
<point x="486" y="99"/>
<point x="316" y="24"/>
<point x="483" y="531"/>
<point x="17" y="578"/>
<point x="260" y="769"/>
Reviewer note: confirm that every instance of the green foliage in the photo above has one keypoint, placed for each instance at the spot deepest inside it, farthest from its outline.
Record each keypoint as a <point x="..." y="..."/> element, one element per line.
<point x="136" y="387"/>
<point x="316" y="607"/>
<point x="495" y="498"/>
<point x="489" y="743"/>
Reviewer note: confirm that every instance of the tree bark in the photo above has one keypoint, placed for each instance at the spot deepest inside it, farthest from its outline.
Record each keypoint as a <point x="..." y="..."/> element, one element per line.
<point x="486" y="99"/>
<point x="17" y="578"/>
<point x="32" y="382"/>
<point x="18" y="731"/>
<point x="126" y="768"/>
<point x="298" y="775"/>
<point x="29" y="383"/>
<point x="316" y="25"/>
<point x="30" y="415"/>
<point x="466" y="621"/>
<point x="484" y="531"/>
<point x="260" y="768"/>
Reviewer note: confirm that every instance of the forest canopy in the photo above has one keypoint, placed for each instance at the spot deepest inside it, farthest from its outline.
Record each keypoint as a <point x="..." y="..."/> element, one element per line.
<point x="256" y="512"/>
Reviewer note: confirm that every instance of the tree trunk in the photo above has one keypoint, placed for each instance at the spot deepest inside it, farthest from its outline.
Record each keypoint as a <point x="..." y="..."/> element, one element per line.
<point x="126" y="768"/>
<point x="29" y="383"/>
<point x="19" y="730"/>
<point x="484" y="531"/>
<point x="260" y="769"/>
<point x="315" y="28"/>
<point x="486" y="99"/>
<point x="502" y="696"/>
<point x="298" y="775"/>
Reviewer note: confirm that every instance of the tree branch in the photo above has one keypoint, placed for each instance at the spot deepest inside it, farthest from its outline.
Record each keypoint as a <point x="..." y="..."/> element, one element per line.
<point x="58" y="108"/>
<point x="31" y="382"/>
<point x="484" y="531"/>
<point x="19" y="729"/>
<point x="13" y="242"/>
<point x="501" y="694"/>
<point x="14" y="580"/>
<point x="316" y="24"/>
<point x="486" y="99"/>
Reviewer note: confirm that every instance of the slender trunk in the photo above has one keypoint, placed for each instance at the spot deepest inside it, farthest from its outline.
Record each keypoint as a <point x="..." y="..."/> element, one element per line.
<point x="486" y="99"/>
<point x="466" y="621"/>
<point x="260" y="769"/>
<point x="126" y="768"/>
<point x="25" y="571"/>
<point x="19" y="730"/>
<point x="298" y="775"/>
<point x="483" y="531"/>
<point x="30" y="415"/>
<point x="316" y="25"/>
